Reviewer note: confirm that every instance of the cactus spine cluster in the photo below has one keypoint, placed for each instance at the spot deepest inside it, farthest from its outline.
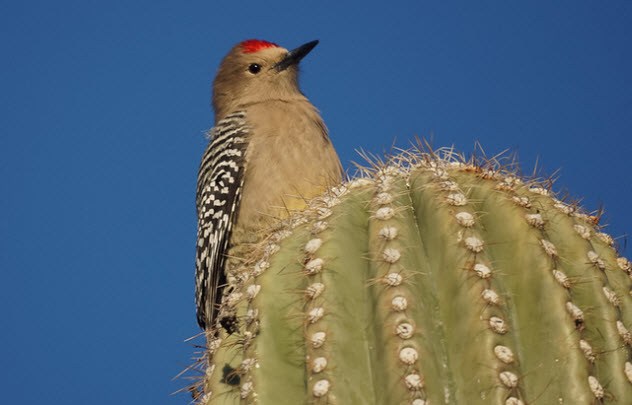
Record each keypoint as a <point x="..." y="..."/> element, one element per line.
<point x="430" y="280"/>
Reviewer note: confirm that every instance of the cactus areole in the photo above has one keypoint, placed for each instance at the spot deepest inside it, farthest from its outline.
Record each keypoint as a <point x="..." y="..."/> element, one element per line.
<point x="428" y="280"/>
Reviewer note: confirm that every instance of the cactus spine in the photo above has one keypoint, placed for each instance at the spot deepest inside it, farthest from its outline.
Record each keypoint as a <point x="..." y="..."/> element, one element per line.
<point x="431" y="280"/>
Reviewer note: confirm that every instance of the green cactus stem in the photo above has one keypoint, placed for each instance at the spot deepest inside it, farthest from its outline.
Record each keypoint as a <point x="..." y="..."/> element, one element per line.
<point x="429" y="280"/>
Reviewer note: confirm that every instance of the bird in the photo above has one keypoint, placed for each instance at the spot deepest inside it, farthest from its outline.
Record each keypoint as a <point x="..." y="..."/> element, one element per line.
<point x="269" y="151"/>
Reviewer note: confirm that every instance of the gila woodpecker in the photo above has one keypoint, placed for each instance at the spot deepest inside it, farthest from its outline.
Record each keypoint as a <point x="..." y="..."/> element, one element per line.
<point x="269" y="151"/>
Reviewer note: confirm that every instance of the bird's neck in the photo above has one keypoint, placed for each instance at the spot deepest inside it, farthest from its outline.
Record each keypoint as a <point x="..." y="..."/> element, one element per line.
<point x="245" y="104"/>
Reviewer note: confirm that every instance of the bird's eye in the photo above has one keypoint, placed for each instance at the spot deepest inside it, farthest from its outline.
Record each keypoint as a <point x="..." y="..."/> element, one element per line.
<point x="254" y="68"/>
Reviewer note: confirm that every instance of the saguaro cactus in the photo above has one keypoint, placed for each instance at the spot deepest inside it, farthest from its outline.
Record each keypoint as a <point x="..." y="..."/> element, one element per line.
<point x="431" y="280"/>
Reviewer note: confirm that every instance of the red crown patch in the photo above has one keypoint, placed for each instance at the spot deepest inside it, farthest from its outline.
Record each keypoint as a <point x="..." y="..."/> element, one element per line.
<point x="255" y="45"/>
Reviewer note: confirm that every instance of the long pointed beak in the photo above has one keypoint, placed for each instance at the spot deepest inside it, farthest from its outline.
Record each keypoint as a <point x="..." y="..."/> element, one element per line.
<point x="295" y="55"/>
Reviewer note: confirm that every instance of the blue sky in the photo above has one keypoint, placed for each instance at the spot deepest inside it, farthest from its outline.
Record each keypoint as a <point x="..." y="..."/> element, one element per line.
<point x="103" y="110"/>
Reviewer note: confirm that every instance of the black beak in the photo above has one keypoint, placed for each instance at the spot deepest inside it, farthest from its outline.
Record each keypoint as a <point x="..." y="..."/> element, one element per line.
<point x="295" y="55"/>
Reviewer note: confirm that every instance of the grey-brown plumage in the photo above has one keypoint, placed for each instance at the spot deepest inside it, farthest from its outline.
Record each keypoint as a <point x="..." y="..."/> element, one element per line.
<point x="269" y="151"/>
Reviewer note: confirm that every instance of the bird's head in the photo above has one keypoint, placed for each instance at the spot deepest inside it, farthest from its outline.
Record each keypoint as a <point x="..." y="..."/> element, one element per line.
<point x="255" y="71"/>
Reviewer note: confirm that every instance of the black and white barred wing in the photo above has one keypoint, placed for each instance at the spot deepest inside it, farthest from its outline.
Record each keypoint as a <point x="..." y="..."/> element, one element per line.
<point x="219" y="186"/>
